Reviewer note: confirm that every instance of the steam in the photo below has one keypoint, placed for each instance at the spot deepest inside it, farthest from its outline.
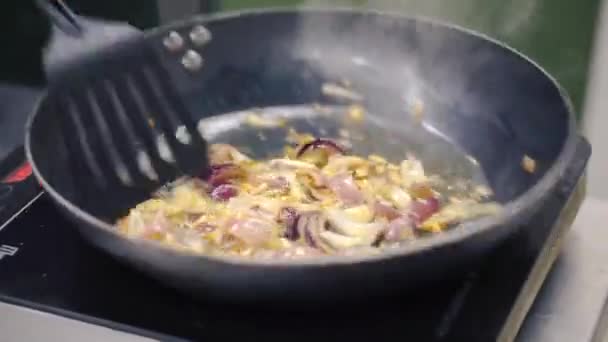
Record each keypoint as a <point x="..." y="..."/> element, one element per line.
<point x="395" y="77"/>
<point x="505" y="20"/>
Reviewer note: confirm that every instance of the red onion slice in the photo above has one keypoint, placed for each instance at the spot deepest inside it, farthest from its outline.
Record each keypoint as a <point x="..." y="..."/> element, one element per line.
<point x="399" y="228"/>
<point x="421" y="210"/>
<point x="344" y="187"/>
<point x="384" y="209"/>
<point x="326" y="144"/>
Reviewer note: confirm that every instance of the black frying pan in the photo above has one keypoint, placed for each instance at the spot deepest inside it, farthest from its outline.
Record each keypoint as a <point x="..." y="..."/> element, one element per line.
<point x="481" y="99"/>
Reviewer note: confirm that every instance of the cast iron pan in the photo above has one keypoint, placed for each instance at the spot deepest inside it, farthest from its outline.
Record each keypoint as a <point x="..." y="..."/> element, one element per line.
<point x="481" y="99"/>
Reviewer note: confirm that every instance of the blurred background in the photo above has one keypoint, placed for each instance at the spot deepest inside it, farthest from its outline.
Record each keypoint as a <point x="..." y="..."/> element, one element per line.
<point x="568" y="38"/>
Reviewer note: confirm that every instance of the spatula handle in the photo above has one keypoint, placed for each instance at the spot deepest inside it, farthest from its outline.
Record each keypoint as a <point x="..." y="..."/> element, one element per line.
<point x="76" y="38"/>
<point x="62" y="16"/>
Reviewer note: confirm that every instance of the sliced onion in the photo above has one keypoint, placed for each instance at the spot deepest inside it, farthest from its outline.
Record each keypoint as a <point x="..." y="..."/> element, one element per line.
<point x="399" y="229"/>
<point x="338" y="241"/>
<point x="341" y="223"/>
<point x="384" y="209"/>
<point x="423" y="209"/>
<point x="346" y="190"/>
<point x="361" y="213"/>
<point x="309" y="226"/>
<point x="330" y="146"/>
<point x="224" y="192"/>
<point x="251" y="231"/>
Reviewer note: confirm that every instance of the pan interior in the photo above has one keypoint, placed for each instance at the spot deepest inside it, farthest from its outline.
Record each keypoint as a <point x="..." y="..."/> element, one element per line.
<point x="481" y="101"/>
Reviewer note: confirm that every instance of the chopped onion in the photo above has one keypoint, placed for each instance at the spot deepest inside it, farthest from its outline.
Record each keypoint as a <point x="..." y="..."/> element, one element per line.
<point x="346" y="190"/>
<point x="423" y="209"/>
<point x="314" y="201"/>
<point x="252" y="231"/>
<point x="383" y="209"/>
<point x="399" y="229"/>
<point x="224" y="192"/>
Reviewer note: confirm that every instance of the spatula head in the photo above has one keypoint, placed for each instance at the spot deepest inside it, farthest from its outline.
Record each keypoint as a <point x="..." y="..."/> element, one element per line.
<point x="124" y="123"/>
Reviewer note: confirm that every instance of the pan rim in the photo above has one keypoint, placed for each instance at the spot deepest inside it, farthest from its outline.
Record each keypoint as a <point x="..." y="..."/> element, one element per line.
<point x="468" y="230"/>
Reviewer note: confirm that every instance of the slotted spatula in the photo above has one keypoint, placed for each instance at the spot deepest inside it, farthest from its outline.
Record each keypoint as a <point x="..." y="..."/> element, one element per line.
<point x="126" y="128"/>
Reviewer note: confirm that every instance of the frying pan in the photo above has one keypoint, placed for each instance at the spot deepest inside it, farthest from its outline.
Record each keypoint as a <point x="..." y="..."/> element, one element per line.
<point x="486" y="106"/>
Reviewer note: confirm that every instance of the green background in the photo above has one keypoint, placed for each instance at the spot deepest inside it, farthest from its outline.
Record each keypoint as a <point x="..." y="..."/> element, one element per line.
<point x="558" y="34"/>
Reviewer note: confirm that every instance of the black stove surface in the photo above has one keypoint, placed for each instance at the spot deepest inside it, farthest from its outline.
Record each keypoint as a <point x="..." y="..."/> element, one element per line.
<point x="44" y="264"/>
